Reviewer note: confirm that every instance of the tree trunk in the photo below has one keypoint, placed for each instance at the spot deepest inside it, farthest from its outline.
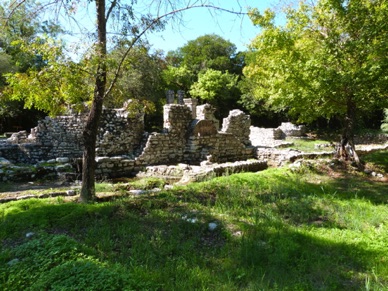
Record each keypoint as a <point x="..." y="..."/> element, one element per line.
<point x="347" y="149"/>
<point x="90" y="132"/>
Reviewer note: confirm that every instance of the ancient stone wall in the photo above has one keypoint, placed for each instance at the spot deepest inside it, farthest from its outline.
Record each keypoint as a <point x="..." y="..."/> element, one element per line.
<point x="184" y="140"/>
<point x="238" y="124"/>
<point x="62" y="137"/>
<point x="176" y="119"/>
<point x="124" y="149"/>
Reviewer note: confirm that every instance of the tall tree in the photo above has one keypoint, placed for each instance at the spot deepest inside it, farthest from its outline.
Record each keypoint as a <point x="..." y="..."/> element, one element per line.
<point x="330" y="59"/>
<point x="209" y="51"/>
<point x="203" y="67"/>
<point x="133" y="25"/>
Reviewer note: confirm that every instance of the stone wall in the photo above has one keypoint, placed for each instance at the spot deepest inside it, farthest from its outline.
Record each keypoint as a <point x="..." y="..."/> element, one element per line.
<point x="184" y="140"/>
<point x="290" y="129"/>
<point x="190" y="135"/>
<point x="273" y="137"/>
<point x="61" y="136"/>
<point x="238" y="124"/>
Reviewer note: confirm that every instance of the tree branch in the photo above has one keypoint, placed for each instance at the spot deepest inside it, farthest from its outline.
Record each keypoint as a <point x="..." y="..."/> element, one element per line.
<point x="153" y="23"/>
<point x="113" y="5"/>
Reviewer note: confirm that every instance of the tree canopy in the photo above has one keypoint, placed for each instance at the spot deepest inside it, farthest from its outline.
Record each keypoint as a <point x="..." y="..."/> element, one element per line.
<point x="209" y="51"/>
<point x="330" y="59"/>
<point x="215" y="87"/>
<point x="207" y="67"/>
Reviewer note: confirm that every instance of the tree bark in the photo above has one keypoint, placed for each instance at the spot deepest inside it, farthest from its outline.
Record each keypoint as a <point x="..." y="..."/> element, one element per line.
<point x="347" y="149"/>
<point x="90" y="131"/>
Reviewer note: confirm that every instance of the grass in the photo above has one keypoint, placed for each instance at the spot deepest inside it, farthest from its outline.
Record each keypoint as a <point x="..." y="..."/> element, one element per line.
<point x="309" y="145"/>
<point x="379" y="159"/>
<point x="279" y="229"/>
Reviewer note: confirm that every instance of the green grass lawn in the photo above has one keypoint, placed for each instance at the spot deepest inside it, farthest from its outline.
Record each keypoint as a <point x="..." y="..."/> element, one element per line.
<point x="314" y="228"/>
<point x="310" y="145"/>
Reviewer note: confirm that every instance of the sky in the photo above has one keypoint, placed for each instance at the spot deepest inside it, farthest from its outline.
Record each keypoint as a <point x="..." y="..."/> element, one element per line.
<point x="199" y="21"/>
<point x="194" y="23"/>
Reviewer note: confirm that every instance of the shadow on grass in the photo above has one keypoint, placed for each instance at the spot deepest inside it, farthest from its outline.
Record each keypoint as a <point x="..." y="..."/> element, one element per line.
<point x="286" y="257"/>
<point x="379" y="158"/>
<point x="164" y="240"/>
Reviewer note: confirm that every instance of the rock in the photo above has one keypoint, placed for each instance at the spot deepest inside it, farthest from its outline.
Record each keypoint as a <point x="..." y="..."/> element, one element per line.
<point x="4" y="162"/>
<point x="205" y="163"/>
<point x="212" y="226"/>
<point x="138" y="192"/>
<point x="71" y="192"/>
<point x="64" y="168"/>
<point x="62" y="160"/>
<point x="29" y="234"/>
<point x="24" y="197"/>
<point x="290" y="129"/>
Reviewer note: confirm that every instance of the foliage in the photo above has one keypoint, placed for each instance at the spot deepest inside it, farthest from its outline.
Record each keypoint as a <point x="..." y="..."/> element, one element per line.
<point x="214" y="85"/>
<point x="6" y="66"/>
<point x="140" y="77"/>
<point x="276" y="229"/>
<point x="22" y="27"/>
<point x="205" y="52"/>
<point x="19" y="29"/>
<point x="329" y="59"/>
<point x="116" y="22"/>
<point x="198" y="63"/>
<point x="178" y="78"/>
<point x="52" y="88"/>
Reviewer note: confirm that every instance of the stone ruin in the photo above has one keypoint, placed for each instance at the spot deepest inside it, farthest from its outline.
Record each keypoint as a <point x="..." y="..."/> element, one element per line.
<point x="190" y="136"/>
<point x="192" y="141"/>
<point x="191" y="147"/>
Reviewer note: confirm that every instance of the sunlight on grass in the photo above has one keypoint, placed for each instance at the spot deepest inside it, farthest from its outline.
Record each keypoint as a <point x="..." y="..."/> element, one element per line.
<point x="310" y="145"/>
<point x="104" y="187"/>
<point x="276" y="229"/>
